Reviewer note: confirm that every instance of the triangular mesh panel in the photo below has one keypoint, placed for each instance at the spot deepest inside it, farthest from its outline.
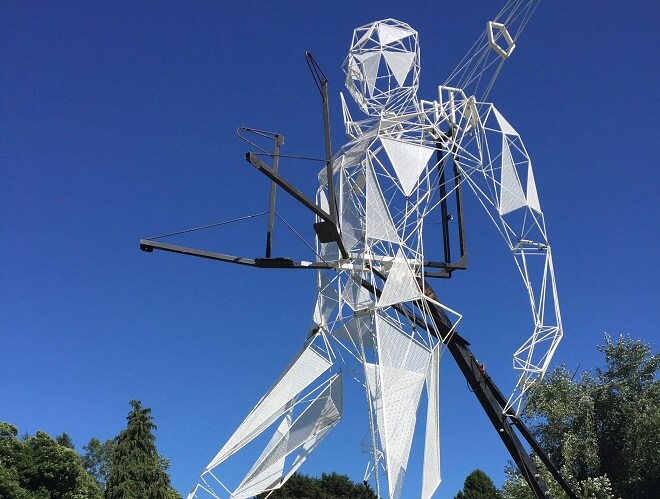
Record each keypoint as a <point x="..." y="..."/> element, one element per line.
<point x="352" y="230"/>
<point x="266" y="479"/>
<point x="401" y="394"/>
<point x="330" y="416"/>
<point x="400" y="64"/>
<point x="402" y="368"/>
<point x="365" y="36"/>
<point x="388" y="34"/>
<point x="269" y="467"/>
<point x="326" y="300"/>
<point x="355" y="295"/>
<point x="355" y="154"/>
<point x="532" y="195"/>
<point x="397" y="349"/>
<point x="321" y="414"/>
<point x="358" y="332"/>
<point x="373" y="386"/>
<point x="379" y="222"/>
<point x="323" y="200"/>
<point x="408" y="161"/>
<point x="504" y="125"/>
<point x="395" y="396"/>
<point x="370" y="62"/>
<point x="307" y="366"/>
<point x="401" y="285"/>
<point x="431" y="469"/>
<point x="511" y="192"/>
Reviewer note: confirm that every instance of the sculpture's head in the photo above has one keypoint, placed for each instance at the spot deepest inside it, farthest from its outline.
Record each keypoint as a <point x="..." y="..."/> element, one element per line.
<point x="382" y="67"/>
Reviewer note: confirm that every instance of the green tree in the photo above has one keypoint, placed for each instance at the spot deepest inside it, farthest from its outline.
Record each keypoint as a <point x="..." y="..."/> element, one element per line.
<point x="136" y="469"/>
<point x="65" y="440"/>
<point x="598" y="487"/>
<point x="38" y="467"/>
<point x="96" y="459"/>
<point x="627" y="412"/>
<point x="478" y="485"/>
<point x="603" y="429"/>
<point x="329" y="486"/>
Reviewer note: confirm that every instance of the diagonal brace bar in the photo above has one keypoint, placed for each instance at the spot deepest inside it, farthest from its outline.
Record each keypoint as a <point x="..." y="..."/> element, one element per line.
<point x="299" y="196"/>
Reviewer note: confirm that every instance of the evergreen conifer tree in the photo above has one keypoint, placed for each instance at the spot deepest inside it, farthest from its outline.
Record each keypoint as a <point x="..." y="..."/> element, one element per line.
<point x="478" y="485"/>
<point x="137" y="471"/>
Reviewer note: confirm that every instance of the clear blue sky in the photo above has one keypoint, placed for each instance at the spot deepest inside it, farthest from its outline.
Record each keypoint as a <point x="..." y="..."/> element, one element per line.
<point x="117" y="121"/>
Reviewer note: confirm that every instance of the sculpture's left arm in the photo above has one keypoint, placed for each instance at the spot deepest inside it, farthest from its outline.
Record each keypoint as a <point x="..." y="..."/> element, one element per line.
<point x="495" y="164"/>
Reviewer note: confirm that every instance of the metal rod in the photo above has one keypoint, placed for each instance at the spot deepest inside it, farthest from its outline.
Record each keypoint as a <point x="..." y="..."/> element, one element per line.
<point x="321" y="82"/>
<point x="459" y="210"/>
<point x="274" y="263"/>
<point x="524" y="431"/>
<point x="328" y="150"/>
<point x="149" y="245"/>
<point x="299" y="196"/>
<point x="279" y="140"/>
<point x="444" y="214"/>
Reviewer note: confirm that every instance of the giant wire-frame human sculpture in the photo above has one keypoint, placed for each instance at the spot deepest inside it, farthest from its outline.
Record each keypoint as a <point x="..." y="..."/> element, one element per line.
<point x="403" y="163"/>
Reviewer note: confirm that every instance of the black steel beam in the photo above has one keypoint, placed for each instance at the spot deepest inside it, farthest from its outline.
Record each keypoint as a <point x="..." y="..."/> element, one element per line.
<point x="493" y="402"/>
<point x="299" y="196"/>
<point x="328" y="150"/>
<point x="279" y="140"/>
<point x="459" y="210"/>
<point x="266" y="263"/>
<point x="524" y="431"/>
<point x="488" y="395"/>
<point x="321" y="82"/>
<point x="444" y="212"/>
<point x="474" y="374"/>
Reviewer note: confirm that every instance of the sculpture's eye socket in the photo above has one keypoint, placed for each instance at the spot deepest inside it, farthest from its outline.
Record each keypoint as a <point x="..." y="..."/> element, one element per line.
<point x="382" y="67"/>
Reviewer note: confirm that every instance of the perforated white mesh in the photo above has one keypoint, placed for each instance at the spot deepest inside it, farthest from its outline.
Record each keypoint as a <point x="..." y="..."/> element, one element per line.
<point x="327" y="299"/>
<point x="369" y="62"/>
<point x="402" y="367"/>
<point x="397" y="349"/>
<point x="389" y="34"/>
<point x="431" y="469"/>
<point x="532" y="196"/>
<point x="408" y="160"/>
<point x="401" y="285"/>
<point x="399" y="63"/>
<point x="395" y="394"/>
<point x="358" y="332"/>
<point x="505" y="126"/>
<point x="307" y="367"/>
<point x="351" y="220"/>
<point x="269" y="467"/>
<point x="379" y="222"/>
<point x="511" y="193"/>
<point x="355" y="295"/>
<point x="321" y="414"/>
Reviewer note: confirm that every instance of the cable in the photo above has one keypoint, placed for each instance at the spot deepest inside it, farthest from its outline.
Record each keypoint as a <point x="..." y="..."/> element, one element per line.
<point x="261" y="133"/>
<point x="289" y="156"/>
<point x="299" y="236"/>
<point x="206" y="226"/>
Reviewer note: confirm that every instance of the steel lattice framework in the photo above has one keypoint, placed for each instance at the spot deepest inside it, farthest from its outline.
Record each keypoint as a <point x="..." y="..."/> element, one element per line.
<point x="374" y="307"/>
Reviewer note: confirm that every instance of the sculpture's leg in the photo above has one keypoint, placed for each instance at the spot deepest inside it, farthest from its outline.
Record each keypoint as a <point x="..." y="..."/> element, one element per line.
<point x="308" y="418"/>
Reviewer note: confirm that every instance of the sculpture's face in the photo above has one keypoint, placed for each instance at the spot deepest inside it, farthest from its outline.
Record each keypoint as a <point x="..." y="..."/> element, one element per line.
<point x="382" y="67"/>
